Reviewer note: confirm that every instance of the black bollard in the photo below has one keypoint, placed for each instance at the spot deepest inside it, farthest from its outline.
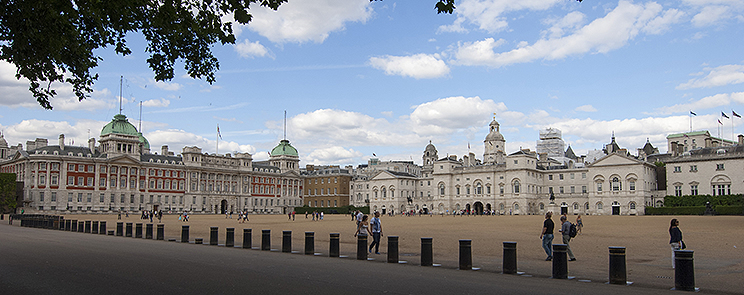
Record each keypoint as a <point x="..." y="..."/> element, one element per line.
<point x="361" y="247"/>
<point x="88" y="224"/>
<point x="102" y="228"/>
<point x="309" y="243"/>
<point x="247" y="238"/>
<point x="510" y="258"/>
<point x="184" y="234"/>
<point x="287" y="241"/>
<point x="560" y="263"/>
<point x="266" y="239"/>
<point x="392" y="255"/>
<point x="81" y="226"/>
<point x="119" y="229"/>
<point x="427" y="253"/>
<point x="138" y="230"/>
<point x="333" y="249"/>
<point x="148" y="231"/>
<point x="128" y="232"/>
<point x="466" y="255"/>
<point x="684" y="270"/>
<point x="230" y="237"/>
<point x="618" y="273"/>
<point x="161" y="232"/>
<point x="74" y="225"/>
<point x="94" y="227"/>
<point x="213" y="235"/>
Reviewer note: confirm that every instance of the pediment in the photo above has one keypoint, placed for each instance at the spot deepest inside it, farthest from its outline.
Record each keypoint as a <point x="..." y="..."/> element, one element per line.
<point x="614" y="160"/>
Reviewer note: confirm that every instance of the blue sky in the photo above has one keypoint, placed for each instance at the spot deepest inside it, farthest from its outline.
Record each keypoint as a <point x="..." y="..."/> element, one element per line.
<point x="386" y="77"/>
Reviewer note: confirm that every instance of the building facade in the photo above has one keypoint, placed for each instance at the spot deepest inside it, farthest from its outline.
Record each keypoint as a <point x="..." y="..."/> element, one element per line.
<point x="326" y="186"/>
<point x="120" y="174"/>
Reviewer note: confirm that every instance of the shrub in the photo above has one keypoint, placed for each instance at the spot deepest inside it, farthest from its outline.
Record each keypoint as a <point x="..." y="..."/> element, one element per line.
<point x="686" y="210"/>
<point x="729" y="210"/>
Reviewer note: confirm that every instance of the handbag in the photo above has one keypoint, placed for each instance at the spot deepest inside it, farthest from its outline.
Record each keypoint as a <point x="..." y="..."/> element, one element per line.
<point x="683" y="245"/>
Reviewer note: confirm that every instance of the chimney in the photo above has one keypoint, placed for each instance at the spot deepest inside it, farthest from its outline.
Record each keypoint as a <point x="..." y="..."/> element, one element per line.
<point x="164" y="150"/>
<point x="92" y="145"/>
<point x="62" y="142"/>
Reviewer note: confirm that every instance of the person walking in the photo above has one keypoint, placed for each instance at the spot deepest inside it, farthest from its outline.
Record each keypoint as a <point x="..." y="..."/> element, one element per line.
<point x="376" y="233"/>
<point x="565" y="229"/>
<point x="363" y="227"/>
<point x="579" y="224"/>
<point x="675" y="238"/>
<point x="547" y="235"/>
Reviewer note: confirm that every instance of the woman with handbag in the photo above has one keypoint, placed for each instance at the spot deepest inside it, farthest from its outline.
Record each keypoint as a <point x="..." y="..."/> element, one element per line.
<point x="675" y="240"/>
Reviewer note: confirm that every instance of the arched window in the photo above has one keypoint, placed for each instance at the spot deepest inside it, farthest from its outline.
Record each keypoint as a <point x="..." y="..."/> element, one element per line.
<point x="384" y="193"/>
<point x="516" y="186"/>
<point x="478" y="189"/>
<point x="632" y="205"/>
<point x="616" y="186"/>
<point x="441" y="189"/>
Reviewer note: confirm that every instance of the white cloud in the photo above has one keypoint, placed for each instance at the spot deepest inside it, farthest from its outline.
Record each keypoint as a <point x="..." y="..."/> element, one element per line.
<point x="176" y="139"/>
<point x="307" y="20"/>
<point x="156" y="103"/>
<point x="600" y="36"/>
<point x="704" y="103"/>
<point x="168" y="86"/>
<point x="418" y="66"/>
<point x="446" y="115"/>
<point x="250" y="49"/>
<point x="334" y="154"/>
<point x="719" y="76"/>
<point x="77" y="132"/>
<point x="489" y="15"/>
<point x="710" y="15"/>
<point x="586" y="108"/>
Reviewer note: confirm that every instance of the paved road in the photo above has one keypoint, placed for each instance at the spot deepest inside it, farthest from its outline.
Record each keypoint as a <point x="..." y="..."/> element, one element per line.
<point x="38" y="261"/>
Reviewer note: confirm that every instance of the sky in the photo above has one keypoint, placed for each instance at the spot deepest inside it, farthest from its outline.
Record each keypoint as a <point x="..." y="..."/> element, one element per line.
<point x="358" y="78"/>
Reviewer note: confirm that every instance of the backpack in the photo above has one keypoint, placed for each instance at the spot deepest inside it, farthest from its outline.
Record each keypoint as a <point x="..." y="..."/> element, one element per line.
<point x="572" y="231"/>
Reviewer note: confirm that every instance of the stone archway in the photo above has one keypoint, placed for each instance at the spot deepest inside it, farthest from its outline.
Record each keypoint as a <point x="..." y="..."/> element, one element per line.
<point x="478" y="208"/>
<point x="223" y="206"/>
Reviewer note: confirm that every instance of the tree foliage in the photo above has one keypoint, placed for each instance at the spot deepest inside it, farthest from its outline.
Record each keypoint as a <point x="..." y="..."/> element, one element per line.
<point x="7" y="191"/>
<point x="54" y="40"/>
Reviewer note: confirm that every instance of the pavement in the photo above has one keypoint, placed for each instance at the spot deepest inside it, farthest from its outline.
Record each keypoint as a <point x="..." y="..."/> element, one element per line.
<point x="40" y="261"/>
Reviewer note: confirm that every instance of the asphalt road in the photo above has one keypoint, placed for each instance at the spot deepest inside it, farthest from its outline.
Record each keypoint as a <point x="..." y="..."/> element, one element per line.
<point x="39" y="261"/>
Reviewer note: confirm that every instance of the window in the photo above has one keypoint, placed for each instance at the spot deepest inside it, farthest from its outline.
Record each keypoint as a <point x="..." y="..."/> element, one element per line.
<point x="41" y="196"/>
<point x="571" y="176"/>
<point x="441" y="189"/>
<point x="457" y="191"/>
<point x="70" y="180"/>
<point x="501" y="189"/>
<point x="583" y="175"/>
<point x="54" y="179"/>
<point x="583" y="189"/>
<point x="616" y="186"/>
<point x="677" y="169"/>
<point x="42" y="179"/>
<point x="561" y="190"/>
<point x="693" y="189"/>
<point x="693" y="168"/>
<point x="720" y="167"/>
<point x="573" y="189"/>
<point x="632" y="185"/>
<point x="550" y="177"/>
<point x="478" y="189"/>
<point x="516" y="186"/>
<point x="80" y="181"/>
<point x="599" y="206"/>
<point x="599" y="186"/>
<point x="632" y="206"/>
<point x="678" y="190"/>
<point x="560" y="176"/>
<point x="54" y="196"/>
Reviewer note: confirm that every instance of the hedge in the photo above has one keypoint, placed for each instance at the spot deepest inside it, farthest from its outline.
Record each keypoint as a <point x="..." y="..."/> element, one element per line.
<point x="688" y="210"/>
<point x="701" y="200"/>
<point x="694" y="210"/>
<point x="331" y="210"/>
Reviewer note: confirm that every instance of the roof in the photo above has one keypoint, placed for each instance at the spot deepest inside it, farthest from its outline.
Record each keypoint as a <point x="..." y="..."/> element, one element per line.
<point x="688" y="134"/>
<point x="570" y="153"/>
<point x="284" y="149"/>
<point x="119" y="125"/>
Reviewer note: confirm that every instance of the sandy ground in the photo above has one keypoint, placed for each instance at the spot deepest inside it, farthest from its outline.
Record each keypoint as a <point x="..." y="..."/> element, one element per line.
<point x="718" y="242"/>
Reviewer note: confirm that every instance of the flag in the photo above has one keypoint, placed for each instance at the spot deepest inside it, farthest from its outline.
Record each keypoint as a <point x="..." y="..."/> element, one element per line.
<point x="373" y="154"/>
<point x="735" y="114"/>
<point x="686" y="135"/>
<point x="218" y="131"/>
<point x="693" y="113"/>
<point x="719" y="122"/>
<point x="724" y="115"/>
<point x="468" y="145"/>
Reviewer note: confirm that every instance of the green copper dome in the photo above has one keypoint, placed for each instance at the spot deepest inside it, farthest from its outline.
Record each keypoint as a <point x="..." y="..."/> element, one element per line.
<point x="119" y="125"/>
<point x="284" y="148"/>
<point x="143" y="140"/>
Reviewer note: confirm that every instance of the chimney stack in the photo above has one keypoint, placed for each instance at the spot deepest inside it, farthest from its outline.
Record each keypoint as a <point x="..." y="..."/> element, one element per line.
<point x="62" y="142"/>
<point x="164" y="150"/>
<point x="92" y="145"/>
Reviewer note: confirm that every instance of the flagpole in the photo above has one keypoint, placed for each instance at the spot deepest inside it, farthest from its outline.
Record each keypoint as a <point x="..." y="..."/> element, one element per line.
<point x="217" y="148"/>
